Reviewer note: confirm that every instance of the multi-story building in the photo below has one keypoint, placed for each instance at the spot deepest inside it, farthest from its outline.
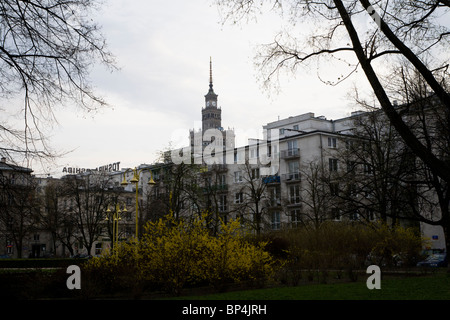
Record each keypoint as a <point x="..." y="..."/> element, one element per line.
<point x="310" y="169"/>
<point x="18" y="203"/>
<point x="302" y="150"/>
<point x="305" y="170"/>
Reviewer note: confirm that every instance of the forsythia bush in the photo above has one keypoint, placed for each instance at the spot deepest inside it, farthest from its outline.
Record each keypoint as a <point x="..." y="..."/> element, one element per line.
<point x="395" y="245"/>
<point x="173" y="253"/>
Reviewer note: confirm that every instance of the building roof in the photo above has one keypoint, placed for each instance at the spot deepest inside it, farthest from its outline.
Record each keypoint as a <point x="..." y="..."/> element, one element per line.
<point x="10" y="167"/>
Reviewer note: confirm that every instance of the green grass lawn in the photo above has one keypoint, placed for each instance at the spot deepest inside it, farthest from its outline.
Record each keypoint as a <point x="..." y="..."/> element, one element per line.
<point x="426" y="287"/>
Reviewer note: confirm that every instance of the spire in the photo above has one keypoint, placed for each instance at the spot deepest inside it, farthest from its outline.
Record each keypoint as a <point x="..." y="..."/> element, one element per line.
<point x="210" y="73"/>
<point x="211" y="94"/>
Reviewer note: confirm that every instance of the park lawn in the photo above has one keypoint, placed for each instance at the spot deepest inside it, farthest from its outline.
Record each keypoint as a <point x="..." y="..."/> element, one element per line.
<point x="426" y="287"/>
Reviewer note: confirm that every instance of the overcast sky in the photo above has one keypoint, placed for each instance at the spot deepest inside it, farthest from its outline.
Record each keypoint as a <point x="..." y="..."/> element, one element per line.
<point x="163" y="50"/>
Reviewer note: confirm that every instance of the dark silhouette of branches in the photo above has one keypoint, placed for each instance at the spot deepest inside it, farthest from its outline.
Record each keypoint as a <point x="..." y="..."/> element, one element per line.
<point x="46" y="51"/>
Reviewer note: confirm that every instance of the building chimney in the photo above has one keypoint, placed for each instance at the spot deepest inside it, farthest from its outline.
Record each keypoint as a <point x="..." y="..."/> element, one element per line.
<point x="3" y="160"/>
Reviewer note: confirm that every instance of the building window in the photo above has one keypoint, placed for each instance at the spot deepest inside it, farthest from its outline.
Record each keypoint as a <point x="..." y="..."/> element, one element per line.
<point x="98" y="248"/>
<point x="237" y="176"/>
<point x="255" y="173"/>
<point x="223" y="203"/>
<point x="238" y="197"/>
<point x="222" y="179"/>
<point x="275" y="196"/>
<point x="292" y="145"/>
<point x="332" y="142"/>
<point x="294" y="169"/>
<point x="296" y="219"/>
<point x="333" y="164"/>
<point x="275" y="221"/>
<point x="294" y="194"/>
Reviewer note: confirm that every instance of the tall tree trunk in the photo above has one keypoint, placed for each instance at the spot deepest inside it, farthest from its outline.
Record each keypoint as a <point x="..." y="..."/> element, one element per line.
<point x="441" y="168"/>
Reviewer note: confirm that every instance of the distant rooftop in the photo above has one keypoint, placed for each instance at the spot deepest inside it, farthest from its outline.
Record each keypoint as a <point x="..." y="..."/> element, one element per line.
<point x="10" y="167"/>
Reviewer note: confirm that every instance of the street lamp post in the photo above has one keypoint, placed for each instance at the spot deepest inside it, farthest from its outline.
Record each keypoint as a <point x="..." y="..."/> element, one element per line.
<point x="135" y="180"/>
<point x="115" y="223"/>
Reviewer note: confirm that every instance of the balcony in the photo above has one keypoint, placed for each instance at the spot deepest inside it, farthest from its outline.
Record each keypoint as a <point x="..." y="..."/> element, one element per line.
<point x="290" y="153"/>
<point x="291" y="177"/>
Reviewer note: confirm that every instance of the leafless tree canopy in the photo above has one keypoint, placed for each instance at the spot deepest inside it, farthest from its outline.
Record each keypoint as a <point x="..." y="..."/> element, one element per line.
<point x="46" y="50"/>
<point x="361" y="34"/>
<point x="398" y="44"/>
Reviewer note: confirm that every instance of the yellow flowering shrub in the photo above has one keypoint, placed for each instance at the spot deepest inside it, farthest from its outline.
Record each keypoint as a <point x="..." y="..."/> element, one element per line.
<point x="395" y="244"/>
<point x="230" y="258"/>
<point x="173" y="253"/>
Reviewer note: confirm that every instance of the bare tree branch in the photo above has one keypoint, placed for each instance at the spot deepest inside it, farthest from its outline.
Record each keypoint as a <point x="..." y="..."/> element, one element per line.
<point x="47" y="49"/>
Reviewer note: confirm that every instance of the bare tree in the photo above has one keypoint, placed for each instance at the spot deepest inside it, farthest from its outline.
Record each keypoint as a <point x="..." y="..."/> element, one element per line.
<point x="87" y="198"/>
<point x="18" y="206"/>
<point x="46" y="51"/>
<point x="396" y="183"/>
<point x="401" y="28"/>
<point x="317" y="195"/>
<point x="412" y="30"/>
<point x="252" y="197"/>
<point x="377" y="166"/>
<point x="52" y="216"/>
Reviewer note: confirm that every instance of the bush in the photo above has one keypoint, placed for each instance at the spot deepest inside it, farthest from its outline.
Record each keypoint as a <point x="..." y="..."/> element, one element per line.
<point x="174" y="253"/>
<point x="395" y="246"/>
<point x="348" y="247"/>
<point x="113" y="272"/>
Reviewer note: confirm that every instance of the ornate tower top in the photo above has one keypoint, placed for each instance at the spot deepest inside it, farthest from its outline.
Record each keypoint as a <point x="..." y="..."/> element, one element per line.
<point x="211" y="114"/>
<point x="210" y="97"/>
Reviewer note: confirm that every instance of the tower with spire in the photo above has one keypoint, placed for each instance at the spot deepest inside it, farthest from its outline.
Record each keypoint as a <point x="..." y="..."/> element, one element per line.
<point x="212" y="119"/>
<point x="211" y="113"/>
